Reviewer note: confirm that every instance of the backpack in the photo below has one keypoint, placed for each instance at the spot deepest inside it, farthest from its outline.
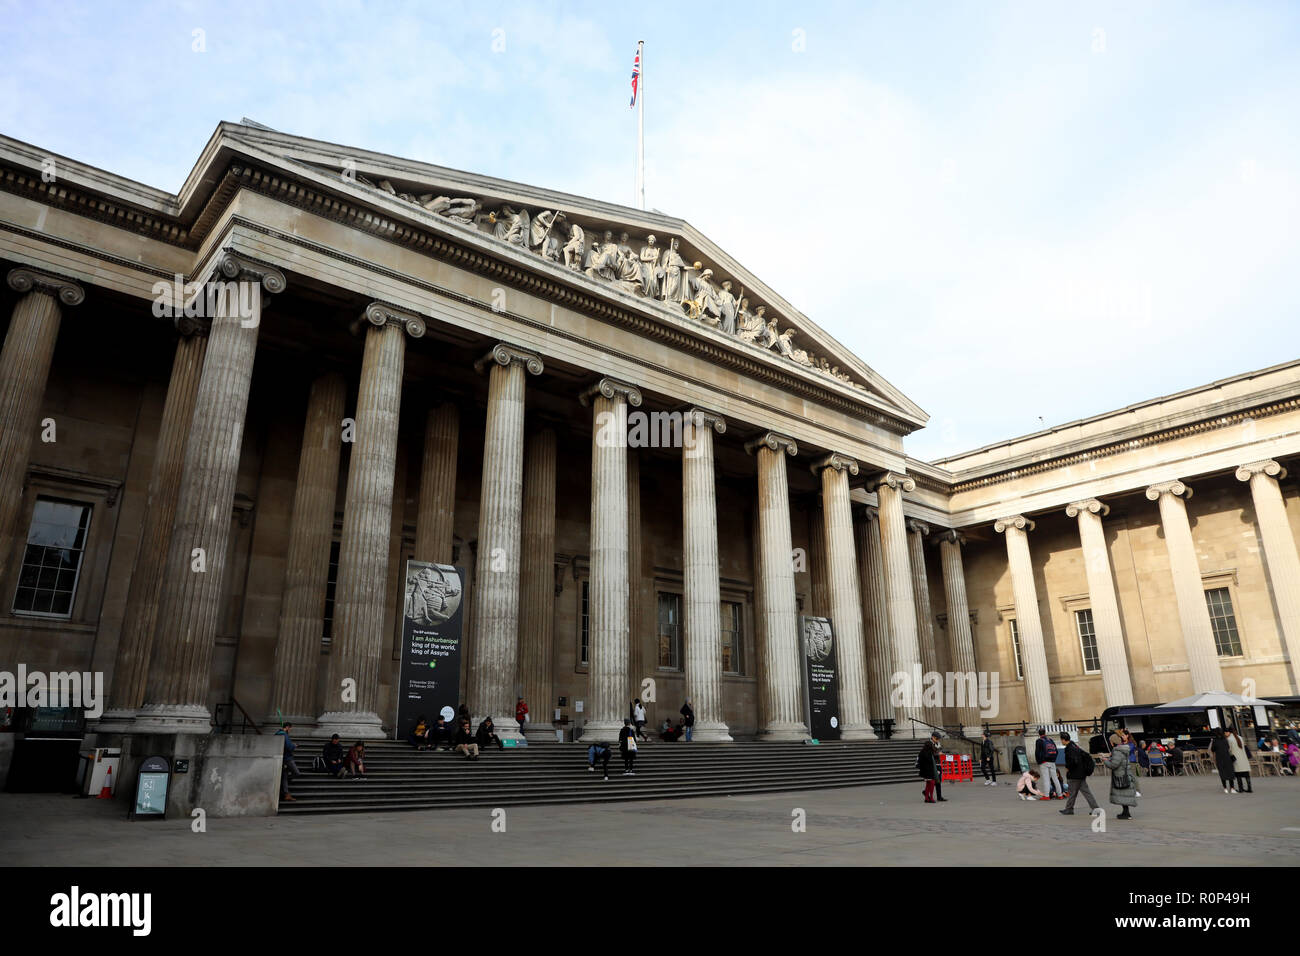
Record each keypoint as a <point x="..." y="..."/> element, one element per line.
<point x="1085" y="763"/>
<point x="1049" y="750"/>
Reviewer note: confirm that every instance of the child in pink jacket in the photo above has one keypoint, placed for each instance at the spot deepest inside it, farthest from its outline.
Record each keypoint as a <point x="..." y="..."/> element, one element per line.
<point x="1025" y="788"/>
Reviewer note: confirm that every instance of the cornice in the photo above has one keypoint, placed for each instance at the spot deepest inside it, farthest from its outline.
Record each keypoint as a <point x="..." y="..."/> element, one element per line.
<point x="83" y="202"/>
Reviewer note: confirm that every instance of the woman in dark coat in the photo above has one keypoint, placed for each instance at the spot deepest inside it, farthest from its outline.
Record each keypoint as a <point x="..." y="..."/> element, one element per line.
<point x="927" y="765"/>
<point x="1222" y="751"/>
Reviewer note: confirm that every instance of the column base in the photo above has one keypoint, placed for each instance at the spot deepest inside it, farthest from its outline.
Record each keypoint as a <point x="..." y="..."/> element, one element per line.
<point x="784" y="730"/>
<point x="536" y="733"/>
<point x="710" y="732"/>
<point x="605" y="731"/>
<point x="172" y="719"/>
<point x="350" y="724"/>
<point x="858" y="733"/>
<point x="113" y="722"/>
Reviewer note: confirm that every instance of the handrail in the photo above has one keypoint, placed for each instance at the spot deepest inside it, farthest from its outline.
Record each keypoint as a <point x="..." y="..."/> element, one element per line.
<point x="247" y="718"/>
<point x="226" y="725"/>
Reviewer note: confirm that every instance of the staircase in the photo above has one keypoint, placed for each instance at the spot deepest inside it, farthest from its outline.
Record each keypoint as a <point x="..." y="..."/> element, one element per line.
<point x="402" y="778"/>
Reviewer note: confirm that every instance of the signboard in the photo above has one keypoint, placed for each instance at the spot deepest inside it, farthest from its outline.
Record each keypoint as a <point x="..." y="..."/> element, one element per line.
<point x="432" y="612"/>
<point x="151" y="789"/>
<point x="821" y="678"/>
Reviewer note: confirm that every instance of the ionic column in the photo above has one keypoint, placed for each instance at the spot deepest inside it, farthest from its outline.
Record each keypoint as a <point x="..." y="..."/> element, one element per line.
<point x="1189" y="592"/>
<point x="875" y="614"/>
<point x="307" y="559"/>
<point x="960" y="639"/>
<point x="537" y="583"/>
<point x="819" y="592"/>
<point x="702" y="600"/>
<point x="357" y="639"/>
<point x="636" y="640"/>
<point x="193" y="578"/>
<point x="783" y="716"/>
<point x="608" y="602"/>
<point x="24" y="370"/>
<point x="495" y="649"/>
<point x="1116" y="681"/>
<point x="1033" y="656"/>
<point x="916" y="532"/>
<point x="845" y="597"/>
<point x="433" y="529"/>
<point x="1279" y="552"/>
<point x="889" y="488"/>
<point x="131" y="669"/>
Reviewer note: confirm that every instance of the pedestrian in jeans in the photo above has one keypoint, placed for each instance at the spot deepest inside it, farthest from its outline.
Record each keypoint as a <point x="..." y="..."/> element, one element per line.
<point x="598" y="751"/>
<point x="988" y="761"/>
<point x="1078" y="765"/>
<point x="290" y="768"/>
<point x="638" y="718"/>
<point x="1045" y="757"/>
<point x="627" y="747"/>
<point x="688" y="719"/>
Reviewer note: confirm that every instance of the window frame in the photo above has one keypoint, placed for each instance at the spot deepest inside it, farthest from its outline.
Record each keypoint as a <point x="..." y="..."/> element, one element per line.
<point x="88" y="509"/>
<point x="1092" y="633"/>
<point x="1232" y="618"/>
<point x="676" y="639"/>
<point x="1013" y="628"/>
<point x="738" y="638"/>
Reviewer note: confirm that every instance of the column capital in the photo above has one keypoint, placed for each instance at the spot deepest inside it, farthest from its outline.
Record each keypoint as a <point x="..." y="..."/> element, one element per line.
<point x="893" y="479"/>
<point x="837" y="461"/>
<point x="951" y="535"/>
<point x="1019" y="522"/>
<point x="507" y="355"/>
<point x="609" y="388"/>
<point x="234" y="266"/>
<point x="66" y="291"/>
<point x="918" y="527"/>
<point x="774" y="441"/>
<point x="703" y="418"/>
<point x="1092" y="505"/>
<point x="867" y="512"/>
<point x="1176" y="488"/>
<point x="380" y="314"/>
<point x="1270" y="468"/>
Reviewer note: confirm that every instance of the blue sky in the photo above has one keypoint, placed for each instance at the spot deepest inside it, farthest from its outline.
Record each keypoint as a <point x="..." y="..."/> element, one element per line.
<point x="1011" y="211"/>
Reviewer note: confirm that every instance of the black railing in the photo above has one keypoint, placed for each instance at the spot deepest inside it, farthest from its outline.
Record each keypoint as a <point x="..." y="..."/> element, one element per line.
<point x="224" y="721"/>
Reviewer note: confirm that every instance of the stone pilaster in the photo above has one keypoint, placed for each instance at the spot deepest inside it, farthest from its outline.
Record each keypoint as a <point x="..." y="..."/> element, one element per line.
<point x="889" y="488"/>
<point x="357" y="640"/>
<point x="960" y="639"/>
<point x="845" y="596"/>
<point x="24" y="370"/>
<point x="916" y="532"/>
<point x="1189" y="592"/>
<point x="307" y="559"/>
<point x="875" y="614"/>
<point x="131" y="669"/>
<point x="608" y="605"/>
<point x="537" y="584"/>
<point x="702" y="600"/>
<point x="1115" y="679"/>
<point x="782" y="665"/>
<point x="437" y="510"/>
<point x="193" y="577"/>
<point x="1279" y="553"/>
<point x="495" y="653"/>
<point x="1033" y="655"/>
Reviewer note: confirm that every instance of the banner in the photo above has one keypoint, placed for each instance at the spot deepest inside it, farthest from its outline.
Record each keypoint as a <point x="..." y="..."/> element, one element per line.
<point x="821" y="678"/>
<point x="429" y="681"/>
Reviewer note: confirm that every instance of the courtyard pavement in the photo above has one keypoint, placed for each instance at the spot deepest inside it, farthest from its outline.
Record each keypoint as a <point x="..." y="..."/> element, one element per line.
<point x="1180" y="822"/>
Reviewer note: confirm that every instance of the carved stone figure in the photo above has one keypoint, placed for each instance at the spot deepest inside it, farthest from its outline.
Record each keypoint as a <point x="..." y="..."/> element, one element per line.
<point x="629" y="266"/>
<point x="651" y="273"/>
<point x="782" y="341"/>
<point x="704" y="304"/>
<point x="749" y="325"/>
<point x="543" y="237"/>
<point x="510" y="224"/>
<point x="573" y="249"/>
<point x="602" y="260"/>
<point x="461" y="209"/>
<point x="727" y="308"/>
<point x="674" y="270"/>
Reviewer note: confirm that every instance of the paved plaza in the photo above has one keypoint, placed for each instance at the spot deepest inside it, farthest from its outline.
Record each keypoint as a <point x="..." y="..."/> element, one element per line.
<point x="1181" y="822"/>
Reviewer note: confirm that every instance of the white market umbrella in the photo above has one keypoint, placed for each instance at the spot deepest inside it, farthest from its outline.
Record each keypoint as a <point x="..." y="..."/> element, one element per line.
<point x="1218" y="698"/>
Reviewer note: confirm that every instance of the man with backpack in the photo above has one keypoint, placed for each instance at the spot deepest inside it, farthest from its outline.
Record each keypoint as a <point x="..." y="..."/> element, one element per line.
<point x="1078" y="768"/>
<point x="1045" y="757"/>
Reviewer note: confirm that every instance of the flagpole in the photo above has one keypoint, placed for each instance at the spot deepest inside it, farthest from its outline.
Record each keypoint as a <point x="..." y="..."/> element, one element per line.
<point x="640" y="127"/>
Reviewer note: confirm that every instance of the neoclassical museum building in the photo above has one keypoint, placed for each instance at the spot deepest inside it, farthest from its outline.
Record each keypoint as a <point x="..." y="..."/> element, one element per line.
<point x="230" y="415"/>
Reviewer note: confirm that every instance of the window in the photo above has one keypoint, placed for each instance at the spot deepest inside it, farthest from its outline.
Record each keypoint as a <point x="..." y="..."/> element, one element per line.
<point x="584" y="637"/>
<point x="1015" y="649"/>
<point x="670" y="631"/>
<point x="1088" y="641"/>
<point x="330" y="582"/>
<point x="56" y="543"/>
<point x="733" y="637"/>
<point x="1226" y="639"/>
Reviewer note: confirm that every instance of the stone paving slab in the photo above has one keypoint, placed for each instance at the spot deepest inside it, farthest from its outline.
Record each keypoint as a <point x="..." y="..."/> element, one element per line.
<point x="1181" y="822"/>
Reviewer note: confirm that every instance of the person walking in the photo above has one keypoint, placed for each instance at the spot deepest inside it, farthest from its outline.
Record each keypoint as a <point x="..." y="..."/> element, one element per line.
<point x="1240" y="762"/>
<point x="598" y="751"/>
<point x="1078" y="768"/>
<point x="290" y="766"/>
<point x="521" y="714"/>
<point x="1222" y="751"/>
<point x="988" y="760"/>
<point x="1123" y="791"/>
<point x="688" y="718"/>
<point x="639" y="718"/>
<point x="1045" y="757"/>
<point x="927" y="766"/>
<point x="627" y="747"/>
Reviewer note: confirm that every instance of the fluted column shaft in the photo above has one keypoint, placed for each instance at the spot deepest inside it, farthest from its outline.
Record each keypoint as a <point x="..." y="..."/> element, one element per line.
<point x="307" y="559"/>
<point x="636" y="641"/>
<point x="1279" y="553"/>
<point x="1189" y="591"/>
<point x="131" y="669"/>
<point x="916" y="532"/>
<point x="702" y="599"/>
<point x="1029" y="626"/>
<point x="783" y="716"/>
<point x="537" y="582"/>
<point x="434" y="526"/>
<point x="819" y="596"/>
<point x="1116" y="682"/>
<point x="845" y="597"/>
<point x="960" y="639"/>
<point x="889" y="490"/>
<point x="189" y="614"/>
<point x="875" y="615"/>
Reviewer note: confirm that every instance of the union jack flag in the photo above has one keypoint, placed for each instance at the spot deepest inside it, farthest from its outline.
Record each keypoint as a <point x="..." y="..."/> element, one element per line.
<point x="636" y="74"/>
